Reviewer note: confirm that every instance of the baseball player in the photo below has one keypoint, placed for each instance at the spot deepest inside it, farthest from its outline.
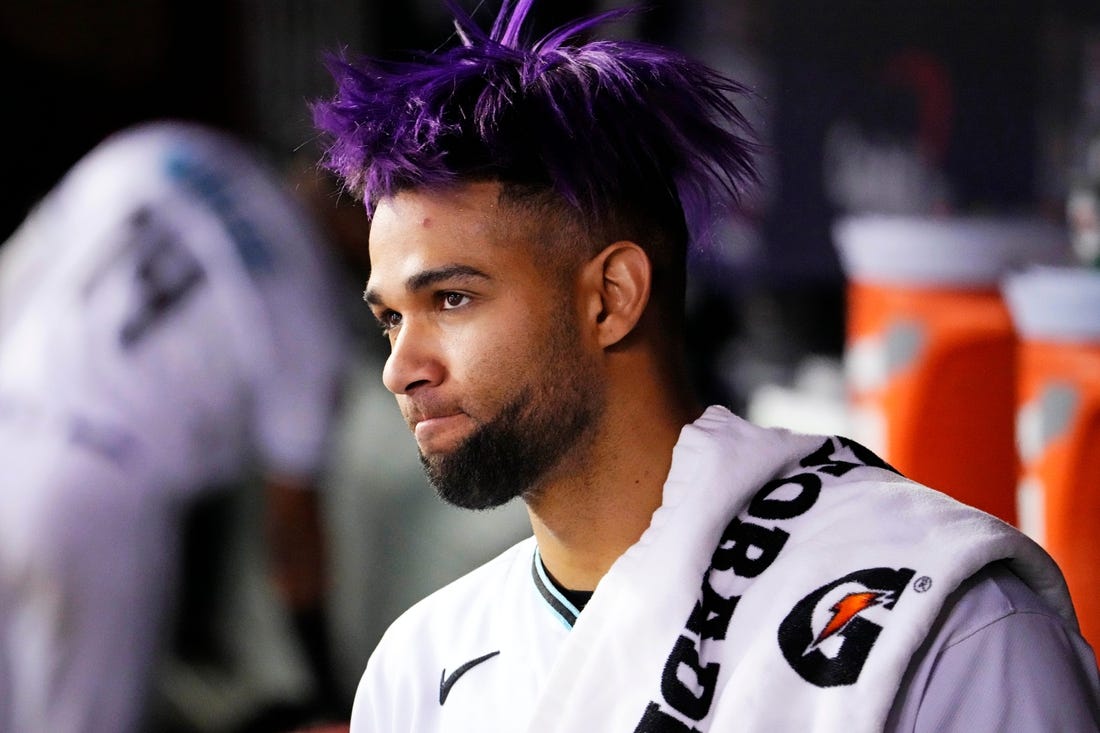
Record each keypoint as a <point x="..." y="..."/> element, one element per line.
<point x="532" y="202"/>
<point x="167" y="326"/>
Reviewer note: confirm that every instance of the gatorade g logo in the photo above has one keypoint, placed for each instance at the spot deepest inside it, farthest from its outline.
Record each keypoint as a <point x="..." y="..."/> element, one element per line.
<point x="830" y="633"/>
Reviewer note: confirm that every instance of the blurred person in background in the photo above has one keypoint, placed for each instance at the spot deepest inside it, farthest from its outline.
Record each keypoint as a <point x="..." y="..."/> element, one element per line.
<point x="533" y="205"/>
<point x="167" y="326"/>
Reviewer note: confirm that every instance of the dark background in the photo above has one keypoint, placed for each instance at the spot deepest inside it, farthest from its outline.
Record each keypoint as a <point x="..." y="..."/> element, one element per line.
<point x="76" y="71"/>
<point x="1006" y="72"/>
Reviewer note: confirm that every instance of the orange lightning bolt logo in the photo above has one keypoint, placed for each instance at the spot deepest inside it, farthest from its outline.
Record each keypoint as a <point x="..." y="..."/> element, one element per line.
<point x="829" y="634"/>
<point x="846" y="609"/>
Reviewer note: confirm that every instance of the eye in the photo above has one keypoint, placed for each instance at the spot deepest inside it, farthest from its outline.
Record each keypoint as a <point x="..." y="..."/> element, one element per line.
<point x="454" y="300"/>
<point x="388" y="320"/>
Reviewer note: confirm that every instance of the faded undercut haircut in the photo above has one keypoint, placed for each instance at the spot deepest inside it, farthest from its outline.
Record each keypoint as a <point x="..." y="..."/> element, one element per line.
<point x="629" y="139"/>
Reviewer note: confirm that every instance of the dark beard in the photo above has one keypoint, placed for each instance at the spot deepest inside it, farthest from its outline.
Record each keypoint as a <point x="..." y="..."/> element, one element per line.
<point x="506" y="457"/>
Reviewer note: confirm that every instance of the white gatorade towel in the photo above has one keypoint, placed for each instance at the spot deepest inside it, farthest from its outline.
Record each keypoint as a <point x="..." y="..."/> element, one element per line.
<point x="784" y="584"/>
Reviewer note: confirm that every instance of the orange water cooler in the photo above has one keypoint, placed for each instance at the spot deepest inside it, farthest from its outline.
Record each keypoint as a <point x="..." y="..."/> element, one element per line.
<point x="930" y="355"/>
<point x="1057" y="313"/>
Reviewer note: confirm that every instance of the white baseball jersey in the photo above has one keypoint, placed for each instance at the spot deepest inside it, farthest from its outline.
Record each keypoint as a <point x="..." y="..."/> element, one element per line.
<point x="167" y="322"/>
<point x="169" y="306"/>
<point x="487" y="652"/>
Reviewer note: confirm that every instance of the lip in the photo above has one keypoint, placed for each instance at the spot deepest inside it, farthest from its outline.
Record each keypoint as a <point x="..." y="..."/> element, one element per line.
<point x="437" y="430"/>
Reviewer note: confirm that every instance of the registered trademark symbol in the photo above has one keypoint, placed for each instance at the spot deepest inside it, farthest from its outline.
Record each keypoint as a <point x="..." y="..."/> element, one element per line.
<point x="922" y="584"/>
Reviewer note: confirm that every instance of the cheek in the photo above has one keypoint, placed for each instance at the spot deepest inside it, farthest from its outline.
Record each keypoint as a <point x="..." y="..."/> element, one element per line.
<point x="495" y="362"/>
<point x="501" y="358"/>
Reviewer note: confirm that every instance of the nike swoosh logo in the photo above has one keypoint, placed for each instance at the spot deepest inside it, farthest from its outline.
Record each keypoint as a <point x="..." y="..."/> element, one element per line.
<point x="446" y="683"/>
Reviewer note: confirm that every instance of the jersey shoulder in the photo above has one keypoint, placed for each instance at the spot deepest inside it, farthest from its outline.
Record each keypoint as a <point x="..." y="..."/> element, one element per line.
<point x="453" y="630"/>
<point x="451" y="608"/>
<point x="999" y="657"/>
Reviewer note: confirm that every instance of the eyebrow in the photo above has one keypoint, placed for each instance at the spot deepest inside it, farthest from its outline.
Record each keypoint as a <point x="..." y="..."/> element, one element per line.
<point x="427" y="278"/>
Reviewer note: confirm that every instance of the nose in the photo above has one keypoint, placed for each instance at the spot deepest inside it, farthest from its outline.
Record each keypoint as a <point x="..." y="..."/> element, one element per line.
<point x="414" y="360"/>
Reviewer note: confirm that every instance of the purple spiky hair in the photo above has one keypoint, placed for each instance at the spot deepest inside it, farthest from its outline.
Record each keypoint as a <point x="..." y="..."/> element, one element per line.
<point x="604" y="123"/>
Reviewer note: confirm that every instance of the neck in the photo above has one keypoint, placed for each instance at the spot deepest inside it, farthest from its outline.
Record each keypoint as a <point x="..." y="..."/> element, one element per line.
<point x="598" y="505"/>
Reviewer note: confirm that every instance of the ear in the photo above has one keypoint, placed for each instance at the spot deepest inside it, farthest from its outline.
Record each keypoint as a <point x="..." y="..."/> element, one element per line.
<point x="617" y="284"/>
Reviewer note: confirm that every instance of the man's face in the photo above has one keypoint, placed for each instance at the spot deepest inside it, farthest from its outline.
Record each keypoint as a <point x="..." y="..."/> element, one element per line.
<point x="486" y="358"/>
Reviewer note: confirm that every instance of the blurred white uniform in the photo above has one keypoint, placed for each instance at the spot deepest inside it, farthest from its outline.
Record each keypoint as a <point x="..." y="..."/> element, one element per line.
<point x="166" y="324"/>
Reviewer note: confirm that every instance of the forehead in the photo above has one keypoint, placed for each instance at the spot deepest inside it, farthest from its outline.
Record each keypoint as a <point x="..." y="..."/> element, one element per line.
<point x="471" y="208"/>
<point x="418" y="230"/>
